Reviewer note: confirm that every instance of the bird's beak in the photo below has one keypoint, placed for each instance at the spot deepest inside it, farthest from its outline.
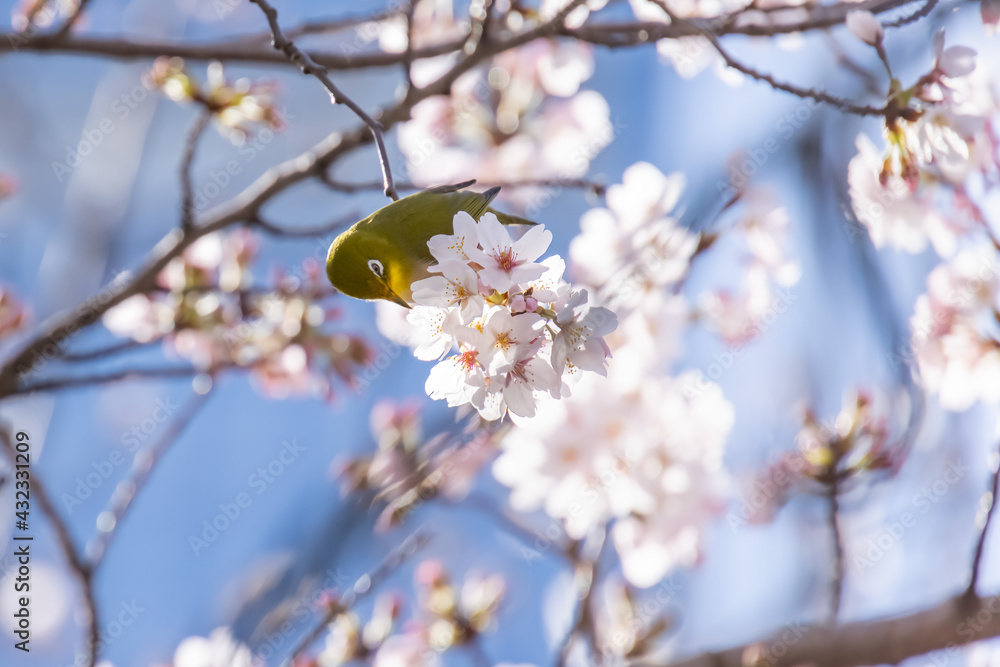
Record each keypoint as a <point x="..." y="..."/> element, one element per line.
<point x="395" y="298"/>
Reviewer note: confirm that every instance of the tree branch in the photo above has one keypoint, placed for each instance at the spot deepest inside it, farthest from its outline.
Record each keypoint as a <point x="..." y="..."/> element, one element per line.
<point x="101" y="352"/>
<point x="991" y="498"/>
<point x="926" y="9"/>
<point x="57" y="384"/>
<point x="362" y="587"/>
<point x="187" y="160"/>
<point x="634" y="33"/>
<point x="950" y="624"/>
<point x="596" y="187"/>
<point x="127" y="490"/>
<point x="110" y="47"/>
<point x="303" y="232"/>
<point x="310" y="67"/>
<point x="833" y="522"/>
<point x="80" y="568"/>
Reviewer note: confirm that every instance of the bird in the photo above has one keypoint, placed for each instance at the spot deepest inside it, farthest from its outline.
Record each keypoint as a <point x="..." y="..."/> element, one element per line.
<point x="381" y="256"/>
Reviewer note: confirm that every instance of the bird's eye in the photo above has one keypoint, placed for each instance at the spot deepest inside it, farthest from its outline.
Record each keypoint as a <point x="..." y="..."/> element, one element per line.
<point x="376" y="267"/>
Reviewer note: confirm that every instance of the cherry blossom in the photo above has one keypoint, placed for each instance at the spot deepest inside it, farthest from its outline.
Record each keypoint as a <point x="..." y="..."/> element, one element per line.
<point x="863" y="25"/>
<point x="13" y="313"/>
<point x="955" y="336"/>
<point x="508" y="328"/>
<point x="645" y="453"/>
<point x="506" y="262"/>
<point x="219" y="649"/>
<point x="206" y="311"/>
<point x="523" y="117"/>
<point x="236" y="106"/>
<point x="893" y="214"/>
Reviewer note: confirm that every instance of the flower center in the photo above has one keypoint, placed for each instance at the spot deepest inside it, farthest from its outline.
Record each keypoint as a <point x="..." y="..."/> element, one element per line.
<point x="467" y="360"/>
<point x="504" y="341"/>
<point x="506" y="259"/>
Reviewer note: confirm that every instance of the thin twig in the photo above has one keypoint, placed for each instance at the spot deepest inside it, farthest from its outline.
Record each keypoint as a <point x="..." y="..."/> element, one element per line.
<point x="836" y="536"/>
<point x="303" y="232"/>
<point x="887" y="641"/>
<point x="310" y="67"/>
<point x="187" y="160"/>
<point x="584" y="623"/>
<point x="612" y="35"/>
<point x="596" y="187"/>
<point x="223" y="51"/>
<point x="805" y="93"/>
<point x="81" y="570"/>
<point x="365" y="584"/>
<point x="57" y="384"/>
<point x="102" y="352"/>
<point x="977" y="557"/>
<point x="411" y="8"/>
<point x="322" y="27"/>
<point x="142" y="469"/>
<point x="71" y="20"/>
<point x="926" y="9"/>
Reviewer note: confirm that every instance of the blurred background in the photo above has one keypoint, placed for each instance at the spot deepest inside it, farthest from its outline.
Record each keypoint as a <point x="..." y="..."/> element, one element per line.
<point x="65" y="235"/>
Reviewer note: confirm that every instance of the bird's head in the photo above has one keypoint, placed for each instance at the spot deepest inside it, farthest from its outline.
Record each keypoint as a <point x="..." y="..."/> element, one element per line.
<point x="365" y="266"/>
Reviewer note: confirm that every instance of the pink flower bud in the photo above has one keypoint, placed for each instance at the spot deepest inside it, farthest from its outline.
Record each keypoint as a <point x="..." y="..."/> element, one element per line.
<point x="864" y="26"/>
<point x="517" y="304"/>
<point x="531" y="304"/>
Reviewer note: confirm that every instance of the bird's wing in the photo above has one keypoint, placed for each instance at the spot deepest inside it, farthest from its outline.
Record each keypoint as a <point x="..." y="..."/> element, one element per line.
<point x="445" y="189"/>
<point x="473" y="203"/>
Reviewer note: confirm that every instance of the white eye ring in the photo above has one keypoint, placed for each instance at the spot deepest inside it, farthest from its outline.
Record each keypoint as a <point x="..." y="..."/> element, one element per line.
<point x="376" y="267"/>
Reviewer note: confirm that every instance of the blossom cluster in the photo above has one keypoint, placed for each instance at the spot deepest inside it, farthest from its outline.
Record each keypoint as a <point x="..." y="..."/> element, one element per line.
<point x="509" y="329"/>
<point x="642" y="448"/>
<point x="405" y="470"/>
<point x="206" y="309"/>
<point x="956" y="336"/>
<point x="925" y="189"/>
<point x="236" y="106"/>
<point x="853" y="446"/>
<point x="940" y="138"/>
<point x="522" y="118"/>
<point x="445" y="614"/>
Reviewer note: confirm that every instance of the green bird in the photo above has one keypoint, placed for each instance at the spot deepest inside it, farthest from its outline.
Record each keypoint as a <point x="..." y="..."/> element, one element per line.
<point x="382" y="255"/>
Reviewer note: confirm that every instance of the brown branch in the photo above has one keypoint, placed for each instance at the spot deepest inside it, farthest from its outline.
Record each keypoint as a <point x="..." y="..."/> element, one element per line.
<point x="100" y="353"/>
<point x="187" y="160"/>
<point x="323" y="27"/>
<point x="411" y="7"/>
<point x="127" y="490"/>
<point x="805" y="93"/>
<point x="584" y="623"/>
<point x="58" y="384"/>
<point x="81" y="569"/>
<point x="111" y="47"/>
<point x="634" y="33"/>
<point x="612" y="35"/>
<point x="836" y="536"/>
<point x="977" y="558"/>
<point x="310" y="67"/>
<point x="926" y="9"/>
<point x="596" y="187"/>
<point x="303" y="232"/>
<point x="365" y="584"/>
<point x="955" y="622"/>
